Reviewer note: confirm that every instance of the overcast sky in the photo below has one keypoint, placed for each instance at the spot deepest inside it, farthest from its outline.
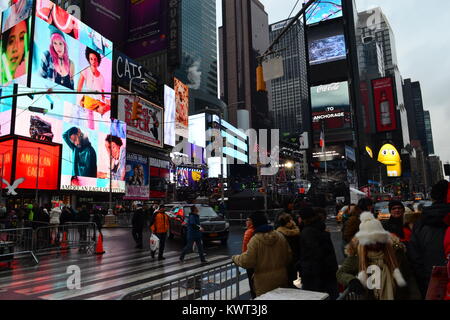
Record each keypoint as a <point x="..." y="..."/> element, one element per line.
<point x="421" y="33"/>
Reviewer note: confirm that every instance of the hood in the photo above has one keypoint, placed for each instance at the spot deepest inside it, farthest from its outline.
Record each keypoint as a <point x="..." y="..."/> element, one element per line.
<point x="270" y="238"/>
<point x="435" y="215"/>
<point x="263" y="229"/>
<point x="289" y="230"/>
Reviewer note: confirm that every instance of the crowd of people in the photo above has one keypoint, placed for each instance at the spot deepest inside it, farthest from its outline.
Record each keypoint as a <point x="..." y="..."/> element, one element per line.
<point x="389" y="260"/>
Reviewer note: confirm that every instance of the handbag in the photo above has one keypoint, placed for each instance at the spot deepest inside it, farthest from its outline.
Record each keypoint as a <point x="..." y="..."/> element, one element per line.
<point x="154" y="242"/>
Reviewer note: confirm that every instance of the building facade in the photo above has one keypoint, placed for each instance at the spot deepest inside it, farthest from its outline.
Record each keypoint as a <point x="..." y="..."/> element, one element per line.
<point x="290" y="92"/>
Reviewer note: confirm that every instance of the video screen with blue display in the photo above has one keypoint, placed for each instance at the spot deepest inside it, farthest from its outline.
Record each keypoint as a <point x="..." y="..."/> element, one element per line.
<point x="323" y="10"/>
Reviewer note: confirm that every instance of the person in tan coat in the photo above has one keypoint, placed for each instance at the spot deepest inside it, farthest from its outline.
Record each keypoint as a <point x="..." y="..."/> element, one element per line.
<point x="269" y="254"/>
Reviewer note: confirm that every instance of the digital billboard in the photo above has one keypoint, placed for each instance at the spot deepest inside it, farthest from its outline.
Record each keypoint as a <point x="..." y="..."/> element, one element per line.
<point x="107" y="16"/>
<point x="327" y="49"/>
<point x="169" y="116"/>
<point x="331" y="104"/>
<point x="70" y="56"/>
<point x="137" y="178"/>
<point x="16" y="13"/>
<point x="149" y="129"/>
<point x="6" y="110"/>
<point x="148" y="23"/>
<point x="15" y="52"/>
<point x="331" y="153"/>
<point x="197" y="130"/>
<point x="182" y="105"/>
<point x="323" y="10"/>
<point x="385" y="111"/>
<point x="6" y="157"/>
<point x="38" y="161"/>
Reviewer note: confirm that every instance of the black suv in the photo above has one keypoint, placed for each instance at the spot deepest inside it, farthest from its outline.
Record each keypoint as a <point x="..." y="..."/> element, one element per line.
<point x="215" y="227"/>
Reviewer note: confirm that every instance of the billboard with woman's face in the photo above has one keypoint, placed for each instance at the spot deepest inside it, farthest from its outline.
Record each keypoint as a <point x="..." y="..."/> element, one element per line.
<point x="68" y="55"/>
<point x="15" y="51"/>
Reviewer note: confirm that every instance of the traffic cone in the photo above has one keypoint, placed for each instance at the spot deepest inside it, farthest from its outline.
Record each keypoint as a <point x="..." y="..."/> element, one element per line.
<point x="64" y="245"/>
<point x="99" y="247"/>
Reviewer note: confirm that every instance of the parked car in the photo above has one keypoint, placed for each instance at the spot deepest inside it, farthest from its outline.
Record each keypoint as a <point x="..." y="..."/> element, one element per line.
<point x="216" y="228"/>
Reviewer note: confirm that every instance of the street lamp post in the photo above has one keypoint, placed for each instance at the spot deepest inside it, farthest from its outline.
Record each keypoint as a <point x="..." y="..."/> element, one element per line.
<point x="143" y="81"/>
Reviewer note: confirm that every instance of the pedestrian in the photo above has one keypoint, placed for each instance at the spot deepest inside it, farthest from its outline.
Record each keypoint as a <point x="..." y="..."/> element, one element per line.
<point x="317" y="263"/>
<point x="366" y="204"/>
<point x="377" y="249"/>
<point x="98" y="219"/>
<point x="194" y="234"/>
<point x="351" y="226"/>
<point x="426" y="248"/>
<point x="291" y="233"/>
<point x="268" y="253"/>
<point x="395" y="224"/>
<point x="138" y="223"/>
<point x="55" y="215"/>
<point x="83" y="218"/>
<point x="160" y="227"/>
<point x="247" y="236"/>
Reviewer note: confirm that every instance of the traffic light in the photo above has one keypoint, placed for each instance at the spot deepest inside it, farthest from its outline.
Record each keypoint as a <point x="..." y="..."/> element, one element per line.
<point x="136" y="111"/>
<point x="260" y="83"/>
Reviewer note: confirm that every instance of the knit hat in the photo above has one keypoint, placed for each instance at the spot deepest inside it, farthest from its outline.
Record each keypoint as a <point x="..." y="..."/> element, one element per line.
<point x="371" y="230"/>
<point x="54" y="30"/>
<point x="258" y="219"/>
<point x="395" y="203"/>
<point x="307" y="213"/>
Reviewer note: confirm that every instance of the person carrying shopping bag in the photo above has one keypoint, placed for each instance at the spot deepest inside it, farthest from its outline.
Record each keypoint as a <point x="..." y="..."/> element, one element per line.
<point x="160" y="227"/>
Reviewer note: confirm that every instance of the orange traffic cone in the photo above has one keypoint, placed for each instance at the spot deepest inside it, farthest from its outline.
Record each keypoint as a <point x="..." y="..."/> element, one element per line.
<point x="99" y="247"/>
<point x="64" y="245"/>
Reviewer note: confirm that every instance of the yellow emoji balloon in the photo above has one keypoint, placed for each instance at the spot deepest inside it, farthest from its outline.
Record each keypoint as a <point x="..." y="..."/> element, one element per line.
<point x="391" y="158"/>
<point x="196" y="176"/>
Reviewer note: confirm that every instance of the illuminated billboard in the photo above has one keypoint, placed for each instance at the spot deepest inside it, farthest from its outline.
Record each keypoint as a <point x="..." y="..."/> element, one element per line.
<point x="68" y="55"/>
<point x="6" y="158"/>
<point x="148" y="22"/>
<point x="137" y="178"/>
<point x="331" y="104"/>
<point x="15" y="50"/>
<point x="385" y="111"/>
<point x="197" y="130"/>
<point x="322" y="10"/>
<point x="327" y="49"/>
<point x="17" y="12"/>
<point x="6" y="110"/>
<point x="149" y="129"/>
<point x="182" y="105"/>
<point x="169" y="116"/>
<point x="390" y="157"/>
<point x="331" y="153"/>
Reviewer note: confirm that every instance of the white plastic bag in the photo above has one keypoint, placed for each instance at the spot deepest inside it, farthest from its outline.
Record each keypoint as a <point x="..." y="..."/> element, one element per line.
<point x="154" y="242"/>
<point x="298" y="282"/>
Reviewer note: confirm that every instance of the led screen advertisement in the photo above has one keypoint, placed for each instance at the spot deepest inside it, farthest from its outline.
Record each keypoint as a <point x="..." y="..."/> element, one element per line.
<point x="182" y="111"/>
<point x="331" y="104"/>
<point x="148" y="22"/>
<point x="331" y="153"/>
<point x="137" y="178"/>
<point x="385" y="111"/>
<point x="323" y="10"/>
<point x="6" y="110"/>
<point x="6" y="157"/>
<point x="70" y="56"/>
<point x="197" y="130"/>
<point x="37" y="160"/>
<point x="169" y="116"/>
<point x="327" y="49"/>
<point x="149" y="129"/>
<point x="17" y="12"/>
<point x="15" y="52"/>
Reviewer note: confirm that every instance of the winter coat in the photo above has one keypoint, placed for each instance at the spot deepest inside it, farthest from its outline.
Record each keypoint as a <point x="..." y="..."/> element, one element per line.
<point x="160" y="223"/>
<point x="83" y="216"/>
<point x="292" y="235"/>
<point x="350" y="268"/>
<point x="247" y="236"/>
<point x="426" y="248"/>
<point x="268" y="253"/>
<point x="193" y="227"/>
<point x="138" y="220"/>
<point x="398" y="228"/>
<point x="84" y="158"/>
<point x="351" y="227"/>
<point x="66" y="216"/>
<point x="55" y="215"/>
<point x="317" y="263"/>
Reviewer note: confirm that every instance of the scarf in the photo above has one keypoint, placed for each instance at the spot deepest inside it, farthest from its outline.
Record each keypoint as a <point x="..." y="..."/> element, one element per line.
<point x="386" y="291"/>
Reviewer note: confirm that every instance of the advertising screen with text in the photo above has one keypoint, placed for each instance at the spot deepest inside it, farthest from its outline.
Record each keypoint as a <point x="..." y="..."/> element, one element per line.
<point x="385" y="111"/>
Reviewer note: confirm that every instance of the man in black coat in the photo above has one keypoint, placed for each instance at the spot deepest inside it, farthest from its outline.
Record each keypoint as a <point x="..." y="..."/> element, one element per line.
<point x="396" y="221"/>
<point x="138" y="223"/>
<point x="426" y="248"/>
<point x="317" y="263"/>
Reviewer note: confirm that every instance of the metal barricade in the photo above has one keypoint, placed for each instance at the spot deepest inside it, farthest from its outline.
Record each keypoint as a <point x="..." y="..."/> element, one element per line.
<point x="65" y="237"/>
<point x="216" y="283"/>
<point x="15" y="243"/>
<point x="350" y="296"/>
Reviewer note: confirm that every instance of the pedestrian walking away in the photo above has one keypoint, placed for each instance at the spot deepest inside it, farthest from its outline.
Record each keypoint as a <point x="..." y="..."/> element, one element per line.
<point x="194" y="235"/>
<point x="247" y="237"/>
<point x="160" y="227"/>
<point x="268" y="253"/>
<point x="138" y="223"/>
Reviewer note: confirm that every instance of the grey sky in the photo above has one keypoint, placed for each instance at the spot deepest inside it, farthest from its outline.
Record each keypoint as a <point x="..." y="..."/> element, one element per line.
<point x="421" y="34"/>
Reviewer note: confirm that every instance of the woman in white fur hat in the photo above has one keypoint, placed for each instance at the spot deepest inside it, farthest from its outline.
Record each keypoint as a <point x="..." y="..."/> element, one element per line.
<point x="373" y="248"/>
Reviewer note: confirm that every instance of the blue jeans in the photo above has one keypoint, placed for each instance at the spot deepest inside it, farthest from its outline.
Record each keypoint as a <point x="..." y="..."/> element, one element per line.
<point x="189" y="245"/>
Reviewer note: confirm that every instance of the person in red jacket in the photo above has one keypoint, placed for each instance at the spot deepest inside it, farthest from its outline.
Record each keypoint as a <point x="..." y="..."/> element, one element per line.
<point x="159" y="227"/>
<point x="247" y="237"/>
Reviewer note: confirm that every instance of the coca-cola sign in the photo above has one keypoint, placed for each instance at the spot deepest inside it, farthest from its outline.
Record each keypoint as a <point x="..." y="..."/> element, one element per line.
<point x="329" y="87"/>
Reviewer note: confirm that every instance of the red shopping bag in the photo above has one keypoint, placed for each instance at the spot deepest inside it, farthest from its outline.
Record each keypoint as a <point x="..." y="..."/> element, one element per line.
<point x="437" y="289"/>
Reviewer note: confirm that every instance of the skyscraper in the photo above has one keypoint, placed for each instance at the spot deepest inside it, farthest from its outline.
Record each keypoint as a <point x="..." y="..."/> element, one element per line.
<point x="290" y="93"/>
<point x="244" y="37"/>
<point x="429" y="132"/>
